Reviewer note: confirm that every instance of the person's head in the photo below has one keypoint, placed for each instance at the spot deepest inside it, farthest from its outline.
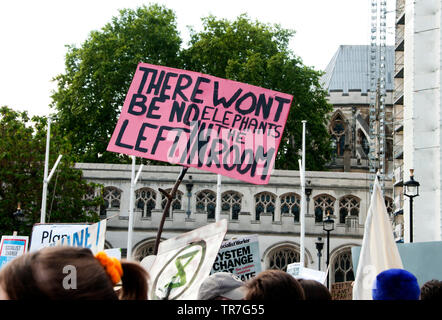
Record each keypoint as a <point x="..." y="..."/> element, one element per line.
<point x="395" y="284"/>
<point x="274" y="285"/>
<point x="314" y="290"/>
<point x="221" y="286"/>
<point x="431" y="290"/>
<point x="69" y="273"/>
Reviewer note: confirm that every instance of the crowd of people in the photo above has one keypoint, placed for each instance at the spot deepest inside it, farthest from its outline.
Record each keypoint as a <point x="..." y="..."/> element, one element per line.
<point x="48" y="274"/>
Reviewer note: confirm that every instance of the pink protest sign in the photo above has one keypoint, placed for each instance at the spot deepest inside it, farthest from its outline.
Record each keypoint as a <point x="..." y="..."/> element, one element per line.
<point x="201" y="121"/>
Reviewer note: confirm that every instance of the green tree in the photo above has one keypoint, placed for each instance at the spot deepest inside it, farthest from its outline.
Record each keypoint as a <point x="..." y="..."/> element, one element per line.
<point x="258" y="54"/>
<point x="22" y="157"/>
<point x="98" y="74"/>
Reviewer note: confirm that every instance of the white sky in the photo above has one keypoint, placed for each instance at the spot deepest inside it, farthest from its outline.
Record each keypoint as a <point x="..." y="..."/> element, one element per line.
<point x="33" y="34"/>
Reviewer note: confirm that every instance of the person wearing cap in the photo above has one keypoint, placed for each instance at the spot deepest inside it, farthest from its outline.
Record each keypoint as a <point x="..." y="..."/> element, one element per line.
<point x="395" y="284"/>
<point x="221" y="286"/>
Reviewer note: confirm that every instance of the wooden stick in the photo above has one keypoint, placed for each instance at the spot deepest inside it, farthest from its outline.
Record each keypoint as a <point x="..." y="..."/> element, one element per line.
<point x="169" y="197"/>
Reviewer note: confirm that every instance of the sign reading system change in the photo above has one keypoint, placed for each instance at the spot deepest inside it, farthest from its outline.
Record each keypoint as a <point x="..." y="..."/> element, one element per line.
<point x="201" y="121"/>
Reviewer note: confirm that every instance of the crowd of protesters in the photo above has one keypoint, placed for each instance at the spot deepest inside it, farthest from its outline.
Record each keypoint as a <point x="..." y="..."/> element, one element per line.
<point x="44" y="275"/>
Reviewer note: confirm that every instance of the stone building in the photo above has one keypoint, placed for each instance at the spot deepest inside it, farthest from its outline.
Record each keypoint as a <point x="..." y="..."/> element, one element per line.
<point x="346" y="80"/>
<point x="271" y="211"/>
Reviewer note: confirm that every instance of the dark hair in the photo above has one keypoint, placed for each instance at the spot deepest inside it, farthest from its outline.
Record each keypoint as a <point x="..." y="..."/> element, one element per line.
<point x="314" y="290"/>
<point x="431" y="290"/>
<point x="274" y="285"/>
<point x="42" y="275"/>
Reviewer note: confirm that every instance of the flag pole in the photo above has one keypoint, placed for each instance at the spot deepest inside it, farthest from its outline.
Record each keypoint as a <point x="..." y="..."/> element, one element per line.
<point x="133" y="182"/>
<point x="46" y="177"/>
<point x="218" y="199"/>
<point x="302" y="175"/>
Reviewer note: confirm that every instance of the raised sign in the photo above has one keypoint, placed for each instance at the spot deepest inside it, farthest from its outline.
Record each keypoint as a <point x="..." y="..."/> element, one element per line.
<point x="201" y="121"/>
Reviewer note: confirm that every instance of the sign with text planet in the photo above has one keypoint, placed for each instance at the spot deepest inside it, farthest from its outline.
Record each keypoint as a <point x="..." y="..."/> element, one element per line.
<point x="201" y="121"/>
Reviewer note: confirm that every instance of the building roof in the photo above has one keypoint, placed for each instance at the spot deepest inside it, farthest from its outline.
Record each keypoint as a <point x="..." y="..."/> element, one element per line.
<point x="349" y="69"/>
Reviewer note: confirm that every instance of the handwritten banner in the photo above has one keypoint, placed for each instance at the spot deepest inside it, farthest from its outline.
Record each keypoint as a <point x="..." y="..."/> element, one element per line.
<point x="44" y="234"/>
<point x="201" y="121"/>
<point x="92" y="237"/>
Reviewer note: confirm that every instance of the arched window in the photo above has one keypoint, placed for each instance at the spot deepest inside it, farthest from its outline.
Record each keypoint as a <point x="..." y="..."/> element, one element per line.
<point x="389" y="204"/>
<point x="145" y="200"/>
<point x="231" y="202"/>
<point x="206" y="202"/>
<point x="324" y="205"/>
<point x="90" y="195"/>
<point x="264" y="203"/>
<point x="342" y="267"/>
<point x="176" y="202"/>
<point x="111" y="198"/>
<point x="337" y="131"/>
<point x="280" y="257"/>
<point x="290" y="203"/>
<point x="144" y="249"/>
<point x="348" y="206"/>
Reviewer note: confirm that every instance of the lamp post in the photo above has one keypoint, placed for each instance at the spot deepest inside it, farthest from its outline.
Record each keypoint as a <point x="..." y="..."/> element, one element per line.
<point x="189" y="186"/>
<point x="319" y="247"/>
<point x="411" y="190"/>
<point x="328" y="225"/>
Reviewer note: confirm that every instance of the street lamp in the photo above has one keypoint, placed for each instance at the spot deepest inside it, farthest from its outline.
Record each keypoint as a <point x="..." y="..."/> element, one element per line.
<point x="411" y="190"/>
<point x="319" y="247"/>
<point x="189" y="187"/>
<point x="328" y="225"/>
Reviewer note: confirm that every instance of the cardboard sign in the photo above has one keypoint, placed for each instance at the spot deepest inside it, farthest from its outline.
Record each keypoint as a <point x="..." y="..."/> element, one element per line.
<point x="92" y="237"/>
<point x="239" y="256"/>
<point x="43" y="234"/>
<point x="184" y="262"/>
<point x="299" y="272"/>
<point x="12" y="247"/>
<point x="201" y="121"/>
<point x="342" y="290"/>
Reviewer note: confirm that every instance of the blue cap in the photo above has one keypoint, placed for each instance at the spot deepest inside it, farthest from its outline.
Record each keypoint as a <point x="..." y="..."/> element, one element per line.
<point x="395" y="284"/>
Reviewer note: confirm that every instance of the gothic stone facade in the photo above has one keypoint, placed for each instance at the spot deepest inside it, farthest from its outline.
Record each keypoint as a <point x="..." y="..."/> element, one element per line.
<point x="270" y="211"/>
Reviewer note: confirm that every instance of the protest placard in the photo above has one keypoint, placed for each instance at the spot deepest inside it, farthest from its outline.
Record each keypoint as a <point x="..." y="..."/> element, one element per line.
<point x="183" y="262"/>
<point x="342" y="290"/>
<point x="239" y="256"/>
<point x="201" y="121"/>
<point x="299" y="272"/>
<point x="43" y="234"/>
<point x="12" y="247"/>
<point x="92" y="237"/>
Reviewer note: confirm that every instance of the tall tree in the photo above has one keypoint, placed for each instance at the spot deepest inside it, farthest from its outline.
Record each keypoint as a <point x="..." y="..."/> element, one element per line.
<point x="22" y="158"/>
<point x="98" y="74"/>
<point x="258" y="54"/>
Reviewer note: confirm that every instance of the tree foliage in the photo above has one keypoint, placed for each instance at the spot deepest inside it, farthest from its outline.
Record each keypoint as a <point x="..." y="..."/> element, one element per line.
<point x="22" y="157"/>
<point x="258" y="54"/>
<point x="98" y="74"/>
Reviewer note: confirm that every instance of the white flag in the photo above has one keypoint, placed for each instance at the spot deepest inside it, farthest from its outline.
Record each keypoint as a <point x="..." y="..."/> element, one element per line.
<point x="379" y="251"/>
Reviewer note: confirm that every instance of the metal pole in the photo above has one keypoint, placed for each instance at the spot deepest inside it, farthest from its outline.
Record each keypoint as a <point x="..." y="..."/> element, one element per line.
<point x="411" y="219"/>
<point x="319" y="260"/>
<point x="45" y="176"/>
<point x="133" y="182"/>
<point x="218" y="199"/>
<point x="302" y="219"/>
<point x="328" y="255"/>
<point x="131" y="209"/>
